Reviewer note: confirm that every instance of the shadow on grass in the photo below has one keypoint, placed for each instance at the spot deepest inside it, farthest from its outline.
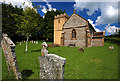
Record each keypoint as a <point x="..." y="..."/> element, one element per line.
<point x="26" y="73"/>
<point x="36" y="50"/>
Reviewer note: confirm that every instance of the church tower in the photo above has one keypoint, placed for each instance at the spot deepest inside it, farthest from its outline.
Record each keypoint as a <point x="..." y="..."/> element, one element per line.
<point x="59" y="20"/>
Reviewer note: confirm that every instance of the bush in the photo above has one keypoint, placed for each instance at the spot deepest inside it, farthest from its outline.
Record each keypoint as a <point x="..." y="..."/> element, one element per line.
<point x="53" y="45"/>
<point x="113" y="40"/>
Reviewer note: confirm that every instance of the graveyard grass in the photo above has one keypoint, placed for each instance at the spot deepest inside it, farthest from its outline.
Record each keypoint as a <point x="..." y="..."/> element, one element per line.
<point x="94" y="63"/>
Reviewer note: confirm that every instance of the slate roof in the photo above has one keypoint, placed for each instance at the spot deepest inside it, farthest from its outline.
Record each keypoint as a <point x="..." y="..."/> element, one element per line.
<point x="98" y="34"/>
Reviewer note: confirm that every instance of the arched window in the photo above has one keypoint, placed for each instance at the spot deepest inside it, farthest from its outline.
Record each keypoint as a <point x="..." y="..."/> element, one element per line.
<point x="73" y="34"/>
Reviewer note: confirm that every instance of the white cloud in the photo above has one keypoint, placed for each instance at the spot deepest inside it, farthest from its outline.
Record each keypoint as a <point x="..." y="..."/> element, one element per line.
<point x="91" y="22"/>
<point x="45" y="1"/>
<point x="97" y="30"/>
<point x="44" y="9"/>
<point x="19" y="3"/>
<point x="111" y="29"/>
<point x="109" y="10"/>
<point x="108" y="16"/>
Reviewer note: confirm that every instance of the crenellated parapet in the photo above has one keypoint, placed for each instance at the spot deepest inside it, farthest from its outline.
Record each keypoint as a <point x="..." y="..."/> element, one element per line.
<point x="61" y="15"/>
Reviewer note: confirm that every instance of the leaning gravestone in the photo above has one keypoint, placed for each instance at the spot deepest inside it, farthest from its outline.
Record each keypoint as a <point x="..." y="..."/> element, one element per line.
<point x="81" y="49"/>
<point x="9" y="52"/>
<point x="51" y="67"/>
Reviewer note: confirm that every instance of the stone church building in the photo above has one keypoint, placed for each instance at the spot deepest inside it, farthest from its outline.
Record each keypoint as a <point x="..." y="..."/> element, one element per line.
<point x="76" y="31"/>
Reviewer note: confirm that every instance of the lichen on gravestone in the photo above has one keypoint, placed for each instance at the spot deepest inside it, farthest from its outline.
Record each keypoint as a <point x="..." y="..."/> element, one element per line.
<point x="52" y="67"/>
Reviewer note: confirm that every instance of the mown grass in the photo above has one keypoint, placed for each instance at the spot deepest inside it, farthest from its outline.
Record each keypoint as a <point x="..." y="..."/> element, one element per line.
<point x="94" y="63"/>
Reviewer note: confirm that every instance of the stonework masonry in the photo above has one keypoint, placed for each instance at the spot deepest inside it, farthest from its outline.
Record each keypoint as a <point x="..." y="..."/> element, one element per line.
<point x="84" y="33"/>
<point x="58" y="25"/>
<point x="98" y="42"/>
<point x="52" y="67"/>
<point x="9" y="52"/>
<point x="80" y="37"/>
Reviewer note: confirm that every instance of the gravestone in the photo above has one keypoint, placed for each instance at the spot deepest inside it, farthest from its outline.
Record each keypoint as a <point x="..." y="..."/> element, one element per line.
<point x="36" y="42"/>
<point x="81" y="49"/>
<point x="9" y="52"/>
<point x="20" y="43"/>
<point x="111" y="47"/>
<point x="52" y="67"/>
<point x="32" y="41"/>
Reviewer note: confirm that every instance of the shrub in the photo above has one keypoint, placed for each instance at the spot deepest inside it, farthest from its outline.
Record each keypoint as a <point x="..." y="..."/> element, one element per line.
<point x="53" y="45"/>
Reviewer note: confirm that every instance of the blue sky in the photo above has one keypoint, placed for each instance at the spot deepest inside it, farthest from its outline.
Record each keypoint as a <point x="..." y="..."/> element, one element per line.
<point x="95" y="14"/>
<point x="102" y="15"/>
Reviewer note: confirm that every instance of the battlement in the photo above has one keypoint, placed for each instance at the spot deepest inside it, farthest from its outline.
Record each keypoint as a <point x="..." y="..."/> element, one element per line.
<point x="61" y="15"/>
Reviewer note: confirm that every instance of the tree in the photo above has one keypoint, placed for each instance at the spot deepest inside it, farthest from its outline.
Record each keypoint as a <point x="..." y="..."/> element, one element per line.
<point x="27" y="23"/>
<point x="8" y="21"/>
<point x="49" y="24"/>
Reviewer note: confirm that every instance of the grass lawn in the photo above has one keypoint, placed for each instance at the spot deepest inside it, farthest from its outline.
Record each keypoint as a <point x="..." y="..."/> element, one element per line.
<point x="94" y="63"/>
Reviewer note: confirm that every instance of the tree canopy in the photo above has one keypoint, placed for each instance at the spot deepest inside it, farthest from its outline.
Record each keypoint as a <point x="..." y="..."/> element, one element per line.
<point x="15" y="23"/>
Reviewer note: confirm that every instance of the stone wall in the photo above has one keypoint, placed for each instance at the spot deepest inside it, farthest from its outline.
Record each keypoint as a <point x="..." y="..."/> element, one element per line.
<point x="98" y="42"/>
<point x="9" y="52"/>
<point x="52" y="67"/>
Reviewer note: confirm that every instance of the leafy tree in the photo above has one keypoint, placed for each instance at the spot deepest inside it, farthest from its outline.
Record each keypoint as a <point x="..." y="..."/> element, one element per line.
<point x="27" y="22"/>
<point x="49" y="25"/>
<point x="19" y="24"/>
<point x="8" y="21"/>
<point x="37" y="32"/>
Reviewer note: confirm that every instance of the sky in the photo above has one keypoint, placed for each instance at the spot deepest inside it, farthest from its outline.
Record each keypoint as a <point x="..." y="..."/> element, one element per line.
<point x="102" y="15"/>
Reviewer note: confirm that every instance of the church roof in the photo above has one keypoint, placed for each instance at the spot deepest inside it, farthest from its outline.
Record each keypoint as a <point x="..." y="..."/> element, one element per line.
<point x="91" y="26"/>
<point x="98" y="34"/>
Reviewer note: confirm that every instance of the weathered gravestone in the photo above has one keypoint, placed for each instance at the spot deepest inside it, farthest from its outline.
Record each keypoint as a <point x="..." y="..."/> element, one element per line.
<point x="111" y="47"/>
<point x="20" y="43"/>
<point x="51" y="65"/>
<point x="81" y="49"/>
<point x="36" y="42"/>
<point x="9" y="52"/>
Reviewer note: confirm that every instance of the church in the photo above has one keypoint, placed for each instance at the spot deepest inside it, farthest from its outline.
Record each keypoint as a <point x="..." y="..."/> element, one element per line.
<point x="76" y="31"/>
